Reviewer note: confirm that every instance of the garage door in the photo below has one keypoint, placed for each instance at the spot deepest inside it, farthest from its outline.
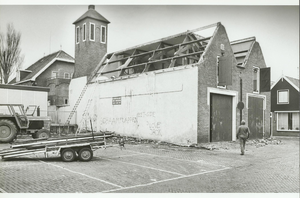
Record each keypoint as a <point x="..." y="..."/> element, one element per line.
<point x="220" y="118"/>
<point x="255" y="117"/>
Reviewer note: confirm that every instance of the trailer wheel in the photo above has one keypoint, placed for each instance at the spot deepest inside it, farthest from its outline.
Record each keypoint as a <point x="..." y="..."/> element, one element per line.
<point x="43" y="133"/>
<point x="85" y="154"/>
<point x="8" y="131"/>
<point x="68" y="155"/>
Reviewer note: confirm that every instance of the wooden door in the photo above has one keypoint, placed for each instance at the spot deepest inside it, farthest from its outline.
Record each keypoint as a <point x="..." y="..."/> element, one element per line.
<point x="220" y="118"/>
<point x="255" y="117"/>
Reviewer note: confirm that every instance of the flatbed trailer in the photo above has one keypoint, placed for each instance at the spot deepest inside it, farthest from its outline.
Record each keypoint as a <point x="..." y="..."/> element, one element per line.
<point x="68" y="148"/>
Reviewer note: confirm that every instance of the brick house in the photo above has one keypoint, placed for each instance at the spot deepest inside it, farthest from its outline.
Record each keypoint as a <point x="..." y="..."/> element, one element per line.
<point x="285" y="106"/>
<point x="187" y="88"/>
<point x="54" y="71"/>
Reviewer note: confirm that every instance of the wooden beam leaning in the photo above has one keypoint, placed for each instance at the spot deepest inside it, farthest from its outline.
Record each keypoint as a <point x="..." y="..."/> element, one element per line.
<point x="156" y="61"/>
<point x="95" y="72"/>
<point x="161" y="49"/>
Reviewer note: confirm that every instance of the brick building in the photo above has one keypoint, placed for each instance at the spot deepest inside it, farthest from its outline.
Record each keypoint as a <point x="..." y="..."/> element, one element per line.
<point x="90" y="41"/>
<point x="285" y="106"/>
<point x="187" y="88"/>
<point x="54" y="71"/>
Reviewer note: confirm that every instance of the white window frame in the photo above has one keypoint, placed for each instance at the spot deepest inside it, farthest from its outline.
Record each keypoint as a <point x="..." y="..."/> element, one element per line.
<point x="288" y="96"/>
<point x="104" y="34"/>
<point x="77" y="35"/>
<point x="84" y="32"/>
<point x="258" y="79"/>
<point x="277" y="123"/>
<point x="67" y="74"/>
<point x="91" y="31"/>
<point x="52" y="74"/>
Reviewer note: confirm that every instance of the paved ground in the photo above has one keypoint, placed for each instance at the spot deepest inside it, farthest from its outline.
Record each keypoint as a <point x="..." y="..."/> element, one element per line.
<point x="148" y="168"/>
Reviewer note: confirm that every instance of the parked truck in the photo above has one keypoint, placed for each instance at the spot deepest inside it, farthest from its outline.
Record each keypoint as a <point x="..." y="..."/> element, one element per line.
<point x="14" y="120"/>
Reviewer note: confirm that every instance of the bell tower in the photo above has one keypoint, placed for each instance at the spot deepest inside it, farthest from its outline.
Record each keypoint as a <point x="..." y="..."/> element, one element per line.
<point x="90" y="41"/>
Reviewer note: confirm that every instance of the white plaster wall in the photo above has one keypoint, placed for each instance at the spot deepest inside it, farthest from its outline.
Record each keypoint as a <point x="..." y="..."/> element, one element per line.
<point x="160" y="106"/>
<point x="75" y="88"/>
<point x="25" y="97"/>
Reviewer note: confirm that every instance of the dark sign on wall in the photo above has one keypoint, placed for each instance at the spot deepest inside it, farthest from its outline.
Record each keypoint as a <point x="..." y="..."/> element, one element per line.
<point x="116" y="100"/>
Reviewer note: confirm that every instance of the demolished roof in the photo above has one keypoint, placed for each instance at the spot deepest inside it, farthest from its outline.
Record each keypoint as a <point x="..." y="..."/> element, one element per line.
<point x="241" y="49"/>
<point x="42" y="64"/>
<point x="177" y="50"/>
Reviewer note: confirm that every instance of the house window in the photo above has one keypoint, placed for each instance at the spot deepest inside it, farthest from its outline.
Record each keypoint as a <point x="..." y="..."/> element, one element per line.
<point x="66" y="101"/>
<point x="256" y="79"/>
<point x="283" y="97"/>
<point x="92" y="31"/>
<point x="84" y="32"/>
<point x="103" y="34"/>
<point x="54" y="74"/>
<point x="288" y="121"/>
<point x="218" y="74"/>
<point x="67" y="75"/>
<point x="77" y="34"/>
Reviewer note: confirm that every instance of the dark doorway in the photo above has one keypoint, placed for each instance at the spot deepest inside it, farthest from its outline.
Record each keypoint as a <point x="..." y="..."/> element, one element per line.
<point x="255" y="117"/>
<point x="220" y="118"/>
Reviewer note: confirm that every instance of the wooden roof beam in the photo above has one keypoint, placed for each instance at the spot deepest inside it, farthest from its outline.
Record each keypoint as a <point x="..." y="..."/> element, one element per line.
<point x="161" y="49"/>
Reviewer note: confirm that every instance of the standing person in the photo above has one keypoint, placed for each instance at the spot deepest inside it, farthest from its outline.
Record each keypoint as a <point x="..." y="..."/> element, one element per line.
<point x="243" y="134"/>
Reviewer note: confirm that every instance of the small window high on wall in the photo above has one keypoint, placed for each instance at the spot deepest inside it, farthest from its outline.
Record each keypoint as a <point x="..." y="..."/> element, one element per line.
<point x="103" y="34"/>
<point x="92" y="31"/>
<point x="77" y="35"/>
<point x="256" y="79"/>
<point x="283" y="97"/>
<point x="84" y="32"/>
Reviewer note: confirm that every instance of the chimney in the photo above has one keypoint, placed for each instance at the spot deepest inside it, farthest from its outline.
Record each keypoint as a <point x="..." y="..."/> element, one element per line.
<point x="91" y="7"/>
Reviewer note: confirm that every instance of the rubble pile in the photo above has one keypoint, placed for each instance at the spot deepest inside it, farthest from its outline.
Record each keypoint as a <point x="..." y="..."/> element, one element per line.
<point x="264" y="142"/>
<point x="207" y="146"/>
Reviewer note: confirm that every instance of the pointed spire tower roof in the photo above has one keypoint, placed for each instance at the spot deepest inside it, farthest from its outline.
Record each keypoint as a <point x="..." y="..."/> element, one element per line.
<point x="92" y="13"/>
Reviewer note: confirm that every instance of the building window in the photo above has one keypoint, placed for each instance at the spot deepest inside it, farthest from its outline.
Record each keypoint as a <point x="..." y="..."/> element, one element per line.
<point x="67" y="75"/>
<point x="256" y="79"/>
<point x="84" y="32"/>
<point x="283" y="97"/>
<point x="77" y="34"/>
<point x="218" y="73"/>
<point x="103" y="34"/>
<point x="92" y="31"/>
<point x="288" y="121"/>
<point x="66" y="101"/>
<point x="54" y="74"/>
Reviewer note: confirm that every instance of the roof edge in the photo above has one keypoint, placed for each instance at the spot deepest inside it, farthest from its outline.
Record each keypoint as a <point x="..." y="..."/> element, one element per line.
<point x="166" y="38"/>
<point x="243" y="40"/>
<point x="290" y="82"/>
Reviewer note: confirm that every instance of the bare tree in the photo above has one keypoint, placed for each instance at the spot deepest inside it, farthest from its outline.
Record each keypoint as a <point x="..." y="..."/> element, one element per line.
<point x="10" y="52"/>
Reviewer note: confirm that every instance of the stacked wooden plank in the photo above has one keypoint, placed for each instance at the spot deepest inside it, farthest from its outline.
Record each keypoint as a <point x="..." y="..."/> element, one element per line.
<point x="26" y="147"/>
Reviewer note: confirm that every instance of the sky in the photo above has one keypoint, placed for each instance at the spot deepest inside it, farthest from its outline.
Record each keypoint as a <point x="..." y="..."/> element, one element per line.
<point x="48" y="27"/>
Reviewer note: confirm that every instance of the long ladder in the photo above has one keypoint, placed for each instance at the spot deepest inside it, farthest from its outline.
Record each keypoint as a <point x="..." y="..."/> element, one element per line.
<point x="84" y="115"/>
<point x="76" y="104"/>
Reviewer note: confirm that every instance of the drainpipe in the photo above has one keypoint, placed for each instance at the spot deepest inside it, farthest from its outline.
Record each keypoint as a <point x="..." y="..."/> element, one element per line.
<point x="241" y="98"/>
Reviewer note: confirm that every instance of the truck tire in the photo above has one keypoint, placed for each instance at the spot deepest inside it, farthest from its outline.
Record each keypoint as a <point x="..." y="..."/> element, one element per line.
<point x="42" y="134"/>
<point x="85" y="154"/>
<point x="68" y="155"/>
<point x="8" y="131"/>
